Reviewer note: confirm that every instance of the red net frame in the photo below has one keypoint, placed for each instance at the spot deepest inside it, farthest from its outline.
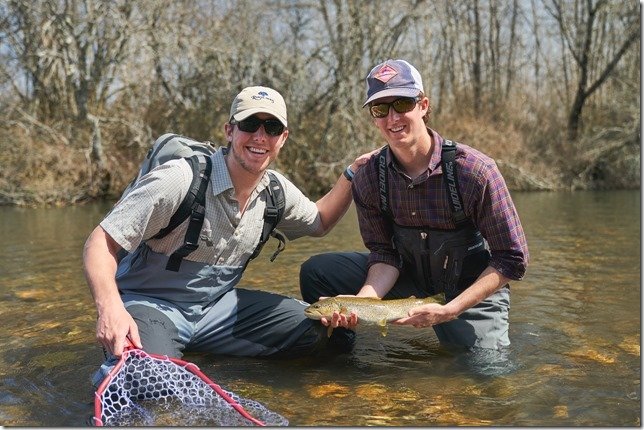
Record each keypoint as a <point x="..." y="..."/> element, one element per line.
<point x="139" y="376"/>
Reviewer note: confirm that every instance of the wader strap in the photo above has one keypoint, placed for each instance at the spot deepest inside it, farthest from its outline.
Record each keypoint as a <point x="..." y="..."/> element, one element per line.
<point x="198" y="211"/>
<point x="450" y="179"/>
<point x="383" y="183"/>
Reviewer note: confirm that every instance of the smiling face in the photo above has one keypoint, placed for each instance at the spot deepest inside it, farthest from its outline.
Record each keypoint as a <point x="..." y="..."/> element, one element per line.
<point x="254" y="151"/>
<point x="402" y="129"/>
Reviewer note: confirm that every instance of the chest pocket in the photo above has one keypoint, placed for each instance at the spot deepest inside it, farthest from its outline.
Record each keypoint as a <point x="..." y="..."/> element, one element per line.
<point x="442" y="260"/>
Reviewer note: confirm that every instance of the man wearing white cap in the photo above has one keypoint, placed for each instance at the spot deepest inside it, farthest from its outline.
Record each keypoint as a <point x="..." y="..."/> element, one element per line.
<point x="198" y="308"/>
<point x="436" y="217"/>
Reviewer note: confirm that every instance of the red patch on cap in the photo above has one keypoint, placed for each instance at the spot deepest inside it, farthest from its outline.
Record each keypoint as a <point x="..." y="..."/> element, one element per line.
<point x="385" y="73"/>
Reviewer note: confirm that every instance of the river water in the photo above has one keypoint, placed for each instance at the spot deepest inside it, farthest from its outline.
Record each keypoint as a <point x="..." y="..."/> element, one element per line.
<point x="575" y="331"/>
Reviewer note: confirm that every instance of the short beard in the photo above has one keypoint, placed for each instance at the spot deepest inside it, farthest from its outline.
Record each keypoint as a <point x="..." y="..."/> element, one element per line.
<point x="239" y="160"/>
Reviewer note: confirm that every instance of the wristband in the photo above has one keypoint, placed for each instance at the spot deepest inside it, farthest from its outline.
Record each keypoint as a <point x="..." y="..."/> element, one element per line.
<point x="348" y="173"/>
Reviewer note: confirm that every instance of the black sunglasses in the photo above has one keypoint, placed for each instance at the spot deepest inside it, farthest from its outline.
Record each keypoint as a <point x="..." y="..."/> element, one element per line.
<point x="401" y="105"/>
<point x="273" y="127"/>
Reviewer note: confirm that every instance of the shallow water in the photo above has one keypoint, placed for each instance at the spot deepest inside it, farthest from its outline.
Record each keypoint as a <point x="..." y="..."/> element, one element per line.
<point x="575" y="331"/>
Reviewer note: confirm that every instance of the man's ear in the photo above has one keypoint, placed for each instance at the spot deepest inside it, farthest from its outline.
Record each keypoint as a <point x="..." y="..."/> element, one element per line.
<point x="283" y="139"/>
<point x="228" y="131"/>
<point x="424" y="104"/>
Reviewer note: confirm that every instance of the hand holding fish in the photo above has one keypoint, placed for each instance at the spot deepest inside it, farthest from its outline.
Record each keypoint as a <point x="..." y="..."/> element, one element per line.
<point x="426" y="315"/>
<point x="339" y="319"/>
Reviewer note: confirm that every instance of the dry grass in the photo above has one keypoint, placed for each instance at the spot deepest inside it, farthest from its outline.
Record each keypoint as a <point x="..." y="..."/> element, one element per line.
<point x="51" y="164"/>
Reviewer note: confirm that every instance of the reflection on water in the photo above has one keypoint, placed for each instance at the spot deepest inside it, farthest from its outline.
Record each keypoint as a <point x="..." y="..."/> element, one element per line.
<point x="575" y="331"/>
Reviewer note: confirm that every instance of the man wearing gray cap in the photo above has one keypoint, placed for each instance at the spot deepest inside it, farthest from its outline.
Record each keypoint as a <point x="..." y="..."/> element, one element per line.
<point x="197" y="307"/>
<point x="436" y="217"/>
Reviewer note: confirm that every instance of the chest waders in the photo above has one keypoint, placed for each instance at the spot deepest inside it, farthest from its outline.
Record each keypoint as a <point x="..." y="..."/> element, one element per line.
<point x="440" y="260"/>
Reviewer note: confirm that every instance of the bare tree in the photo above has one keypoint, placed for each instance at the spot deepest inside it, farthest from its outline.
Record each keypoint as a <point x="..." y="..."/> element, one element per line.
<point x="579" y="27"/>
<point x="106" y="76"/>
<point x="69" y="51"/>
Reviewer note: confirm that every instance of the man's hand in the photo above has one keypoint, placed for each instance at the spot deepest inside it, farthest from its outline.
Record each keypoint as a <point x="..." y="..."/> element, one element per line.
<point x="426" y="316"/>
<point x="116" y="329"/>
<point x="340" y="320"/>
<point x="362" y="160"/>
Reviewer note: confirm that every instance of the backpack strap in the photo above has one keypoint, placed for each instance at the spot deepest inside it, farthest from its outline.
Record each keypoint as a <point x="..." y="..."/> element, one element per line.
<point x="275" y="203"/>
<point x="193" y="206"/>
<point x="185" y="209"/>
<point x="450" y="179"/>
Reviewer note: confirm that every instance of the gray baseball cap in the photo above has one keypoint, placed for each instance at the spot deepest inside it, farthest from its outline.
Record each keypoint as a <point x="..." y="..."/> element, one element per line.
<point x="393" y="78"/>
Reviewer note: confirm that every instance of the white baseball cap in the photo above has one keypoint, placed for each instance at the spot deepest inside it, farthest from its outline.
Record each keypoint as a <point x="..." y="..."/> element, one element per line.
<point x="252" y="100"/>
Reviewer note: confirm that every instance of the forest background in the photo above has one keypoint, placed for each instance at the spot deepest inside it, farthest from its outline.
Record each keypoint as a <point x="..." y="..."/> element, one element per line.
<point x="549" y="88"/>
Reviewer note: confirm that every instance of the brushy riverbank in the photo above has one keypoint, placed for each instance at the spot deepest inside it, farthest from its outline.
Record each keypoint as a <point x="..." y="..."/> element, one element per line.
<point x="54" y="165"/>
<point x="550" y="90"/>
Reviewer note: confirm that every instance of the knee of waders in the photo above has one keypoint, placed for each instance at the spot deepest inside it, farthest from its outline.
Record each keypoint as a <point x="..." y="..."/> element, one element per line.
<point x="159" y="335"/>
<point x="311" y="342"/>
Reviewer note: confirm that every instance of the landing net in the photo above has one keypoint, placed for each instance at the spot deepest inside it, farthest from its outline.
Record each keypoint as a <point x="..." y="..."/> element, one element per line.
<point x="147" y="389"/>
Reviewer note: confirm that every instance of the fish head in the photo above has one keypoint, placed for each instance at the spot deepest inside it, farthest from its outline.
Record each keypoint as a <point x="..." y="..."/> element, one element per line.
<point x="322" y="309"/>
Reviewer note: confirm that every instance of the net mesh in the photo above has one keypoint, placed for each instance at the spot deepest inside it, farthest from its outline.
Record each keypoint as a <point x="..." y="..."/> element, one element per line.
<point x="147" y="390"/>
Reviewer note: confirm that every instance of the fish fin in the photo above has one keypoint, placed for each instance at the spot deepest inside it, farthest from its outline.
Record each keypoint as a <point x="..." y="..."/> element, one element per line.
<point x="329" y="330"/>
<point x="383" y="327"/>
<point x="439" y="298"/>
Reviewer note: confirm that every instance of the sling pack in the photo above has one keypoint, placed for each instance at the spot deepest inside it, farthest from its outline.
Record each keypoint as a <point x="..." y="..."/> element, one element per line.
<point x="172" y="146"/>
<point x="440" y="260"/>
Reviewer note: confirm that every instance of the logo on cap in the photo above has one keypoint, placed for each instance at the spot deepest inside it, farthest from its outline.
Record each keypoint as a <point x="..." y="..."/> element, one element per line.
<point x="385" y="73"/>
<point x="262" y="95"/>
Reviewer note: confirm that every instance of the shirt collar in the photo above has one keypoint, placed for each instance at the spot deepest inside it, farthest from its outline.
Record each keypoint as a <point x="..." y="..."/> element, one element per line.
<point x="435" y="159"/>
<point x="221" y="179"/>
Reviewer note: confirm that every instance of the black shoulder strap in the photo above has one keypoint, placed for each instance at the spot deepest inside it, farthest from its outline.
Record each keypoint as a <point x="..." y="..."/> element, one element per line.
<point x="193" y="206"/>
<point x="383" y="183"/>
<point x="450" y="179"/>
<point x="275" y="203"/>
<point x="185" y="208"/>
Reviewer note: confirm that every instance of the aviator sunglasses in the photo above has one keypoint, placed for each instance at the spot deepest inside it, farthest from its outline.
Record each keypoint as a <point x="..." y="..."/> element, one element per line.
<point x="401" y="105"/>
<point x="273" y="127"/>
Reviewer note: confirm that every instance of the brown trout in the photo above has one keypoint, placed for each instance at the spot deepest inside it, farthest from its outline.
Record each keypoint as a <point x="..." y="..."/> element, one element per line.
<point x="370" y="310"/>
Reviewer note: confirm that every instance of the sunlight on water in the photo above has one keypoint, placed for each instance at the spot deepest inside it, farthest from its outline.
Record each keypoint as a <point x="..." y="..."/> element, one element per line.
<point x="575" y="332"/>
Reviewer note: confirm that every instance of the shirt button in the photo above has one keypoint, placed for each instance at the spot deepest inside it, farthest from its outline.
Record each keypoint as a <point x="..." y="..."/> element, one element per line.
<point x="220" y="261"/>
<point x="413" y="213"/>
<point x="411" y="186"/>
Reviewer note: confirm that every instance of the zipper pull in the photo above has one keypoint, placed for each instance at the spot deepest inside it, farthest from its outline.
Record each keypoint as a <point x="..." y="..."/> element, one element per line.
<point x="423" y="238"/>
